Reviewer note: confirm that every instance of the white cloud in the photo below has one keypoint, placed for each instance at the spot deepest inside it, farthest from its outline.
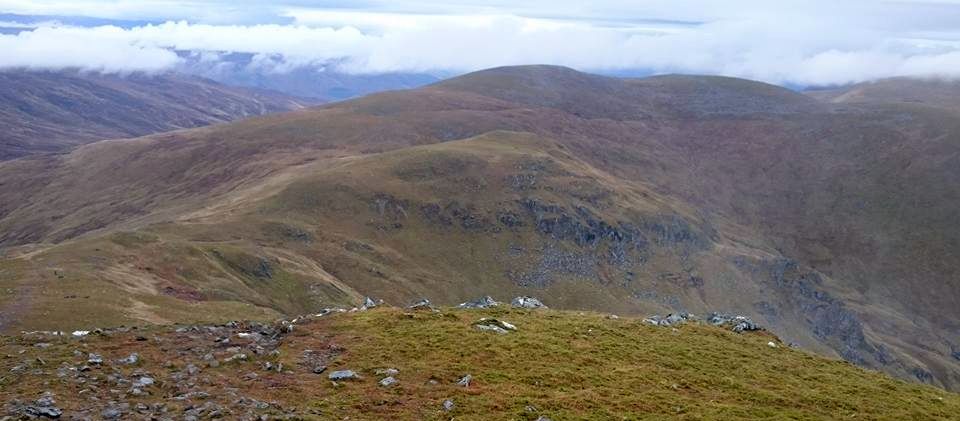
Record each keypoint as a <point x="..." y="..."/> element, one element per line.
<point x="812" y="42"/>
<point x="104" y="49"/>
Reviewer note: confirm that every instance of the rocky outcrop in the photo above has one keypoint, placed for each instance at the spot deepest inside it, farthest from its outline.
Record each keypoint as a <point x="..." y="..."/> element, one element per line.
<point x="670" y="319"/>
<point x="482" y="302"/>
<point x="735" y="323"/>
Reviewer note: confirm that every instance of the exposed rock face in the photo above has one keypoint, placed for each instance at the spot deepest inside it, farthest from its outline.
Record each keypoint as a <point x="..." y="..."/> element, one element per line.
<point x="829" y="318"/>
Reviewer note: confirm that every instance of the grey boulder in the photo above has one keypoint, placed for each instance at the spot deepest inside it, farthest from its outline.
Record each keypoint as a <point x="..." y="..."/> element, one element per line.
<point x="343" y="375"/>
<point x="527" y="302"/>
<point x="494" y="325"/>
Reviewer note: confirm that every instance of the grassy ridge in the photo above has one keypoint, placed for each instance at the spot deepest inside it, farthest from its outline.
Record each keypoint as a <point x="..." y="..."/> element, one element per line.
<point x="562" y="365"/>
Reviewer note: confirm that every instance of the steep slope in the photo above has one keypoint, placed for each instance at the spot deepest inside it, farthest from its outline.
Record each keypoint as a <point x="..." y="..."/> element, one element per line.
<point x="637" y="196"/>
<point x="53" y="111"/>
<point x="574" y="366"/>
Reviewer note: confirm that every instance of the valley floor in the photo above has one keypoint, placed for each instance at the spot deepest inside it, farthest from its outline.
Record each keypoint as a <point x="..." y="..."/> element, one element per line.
<point x="556" y="365"/>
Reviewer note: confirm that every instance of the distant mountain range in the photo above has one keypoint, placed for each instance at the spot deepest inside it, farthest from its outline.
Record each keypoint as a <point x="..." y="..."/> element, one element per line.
<point x="44" y="112"/>
<point x="829" y="218"/>
<point x="322" y="81"/>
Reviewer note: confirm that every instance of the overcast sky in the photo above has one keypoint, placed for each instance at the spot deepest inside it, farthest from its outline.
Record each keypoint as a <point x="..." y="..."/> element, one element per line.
<point x="811" y="42"/>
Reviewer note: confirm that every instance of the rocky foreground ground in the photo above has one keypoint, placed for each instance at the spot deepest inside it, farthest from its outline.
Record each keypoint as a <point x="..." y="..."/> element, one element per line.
<point x="423" y="363"/>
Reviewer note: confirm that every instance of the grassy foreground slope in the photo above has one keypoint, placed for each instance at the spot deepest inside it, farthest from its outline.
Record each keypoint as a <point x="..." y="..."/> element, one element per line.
<point x="559" y="365"/>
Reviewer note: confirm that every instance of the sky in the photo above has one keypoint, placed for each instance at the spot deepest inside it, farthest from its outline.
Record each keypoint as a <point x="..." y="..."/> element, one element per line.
<point x="810" y="43"/>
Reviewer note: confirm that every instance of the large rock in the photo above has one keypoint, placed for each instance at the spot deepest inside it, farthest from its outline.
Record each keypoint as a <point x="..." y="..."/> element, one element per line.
<point x="369" y="303"/>
<point x="482" y="302"/>
<point x="527" y="302"/>
<point x="422" y="305"/>
<point x="45" y="407"/>
<point x="737" y="324"/>
<point x="494" y="325"/>
<point x="340" y="375"/>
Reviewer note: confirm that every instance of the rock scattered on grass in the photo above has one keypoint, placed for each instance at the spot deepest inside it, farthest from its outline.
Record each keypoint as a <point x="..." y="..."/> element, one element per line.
<point x="527" y="302"/>
<point x="387" y="372"/>
<point x="130" y="359"/>
<point x="465" y="381"/>
<point x="343" y="375"/>
<point x="448" y="405"/>
<point x="494" y="325"/>
<point x="44" y="407"/>
<point x="94" y="359"/>
<point x="388" y="381"/>
<point x="737" y="324"/>
<point x="671" y="319"/>
<point x="422" y="305"/>
<point x="482" y="302"/>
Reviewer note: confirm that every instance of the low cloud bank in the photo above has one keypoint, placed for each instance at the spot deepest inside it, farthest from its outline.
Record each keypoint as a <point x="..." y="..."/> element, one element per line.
<point x="801" y="49"/>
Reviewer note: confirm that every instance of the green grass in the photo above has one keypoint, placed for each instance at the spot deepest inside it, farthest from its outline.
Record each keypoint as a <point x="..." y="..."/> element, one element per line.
<point x="585" y="367"/>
